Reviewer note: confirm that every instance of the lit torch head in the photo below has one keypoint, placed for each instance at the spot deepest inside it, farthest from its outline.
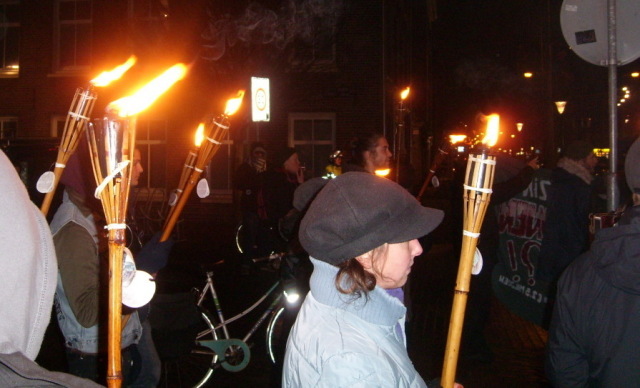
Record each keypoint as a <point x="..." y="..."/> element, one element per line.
<point x="143" y="98"/>
<point x="199" y="135"/>
<point x="233" y="104"/>
<point x="493" y="128"/>
<point x="106" y="77"/>
<point x="405" y="93"/>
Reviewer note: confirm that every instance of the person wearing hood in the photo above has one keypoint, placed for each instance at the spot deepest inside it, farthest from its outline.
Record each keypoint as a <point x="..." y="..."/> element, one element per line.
<point x="361" y="234"/>
<point x="27" y="286"/>
<point x="566" y="229"/>
<point x="593" y="336"/>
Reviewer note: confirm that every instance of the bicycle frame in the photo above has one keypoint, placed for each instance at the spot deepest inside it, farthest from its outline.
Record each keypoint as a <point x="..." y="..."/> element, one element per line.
<point x="219" y="346"/>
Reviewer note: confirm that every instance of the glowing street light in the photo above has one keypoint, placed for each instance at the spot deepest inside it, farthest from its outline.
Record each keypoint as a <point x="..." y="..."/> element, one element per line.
<point x="560" y="105"/>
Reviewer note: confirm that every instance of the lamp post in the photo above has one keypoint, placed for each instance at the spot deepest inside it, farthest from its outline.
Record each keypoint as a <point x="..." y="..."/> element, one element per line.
<point x="519" y="128"/>
<point x="400" y="139"/>
<point x="560" y="105"/>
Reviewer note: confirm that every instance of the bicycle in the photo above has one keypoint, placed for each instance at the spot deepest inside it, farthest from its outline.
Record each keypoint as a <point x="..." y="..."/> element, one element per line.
<point x="213" y="346"/>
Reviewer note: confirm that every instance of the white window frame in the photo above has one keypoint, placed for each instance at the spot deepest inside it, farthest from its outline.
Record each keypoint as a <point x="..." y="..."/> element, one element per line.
<point x="4" y="120"/>
<point x="8" y="70"/>
<point x="313" y="116"/>
<point x="145" y="179"/>
<point x="76" y="68"/>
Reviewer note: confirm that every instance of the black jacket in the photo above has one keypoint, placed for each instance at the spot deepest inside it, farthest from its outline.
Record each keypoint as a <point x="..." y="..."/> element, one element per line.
<point x="594" y="338"/>
<point x="566" y="228"/>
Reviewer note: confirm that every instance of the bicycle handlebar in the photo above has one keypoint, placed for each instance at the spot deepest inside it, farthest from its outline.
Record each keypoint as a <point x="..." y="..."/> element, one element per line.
<point x="272" y="256"/>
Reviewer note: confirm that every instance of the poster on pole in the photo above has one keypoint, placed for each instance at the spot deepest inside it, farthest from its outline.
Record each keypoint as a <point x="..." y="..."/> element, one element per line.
<point x="260" y="105"/>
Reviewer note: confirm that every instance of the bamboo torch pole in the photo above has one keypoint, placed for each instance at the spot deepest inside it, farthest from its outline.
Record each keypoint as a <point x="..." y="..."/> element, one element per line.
<point x="77" y="119"/>
<point x="477" y="193"/>
<point x="440" y="157"/>
<point x="74" y="127"/>
<point x="112" y="145"/>
<point x="187" y="169"/>
<point x="218" y="128"/>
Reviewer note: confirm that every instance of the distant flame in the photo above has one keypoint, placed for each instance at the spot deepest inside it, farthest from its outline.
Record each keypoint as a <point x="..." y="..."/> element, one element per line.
<point x="493" y="128"/>
<point x="234" y="104"/>
<point x="456" y="138"/>
<point x="106" y="77"/>
<point x="405" y="93"/>
<point x="143" y="98"/>
<point x="384" y="172"/>
<point x="199" y="135"/>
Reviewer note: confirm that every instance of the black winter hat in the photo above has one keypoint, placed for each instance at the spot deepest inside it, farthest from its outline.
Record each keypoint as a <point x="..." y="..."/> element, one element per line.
<point x="578" y="149"/>
<point x="282" y="154"/>
<point x="357" y="212"/>
<point x="307" y="191"/>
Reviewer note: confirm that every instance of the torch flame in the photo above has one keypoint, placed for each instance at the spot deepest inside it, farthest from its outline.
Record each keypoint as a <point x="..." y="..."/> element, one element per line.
<point x="405" y="93"/>
<point x="383" y="172"/>
<point x="199" y="135"/>
<point x="493" y="127"/>
<point x="234" y="104"/>
<point x="143" y="98"/>
<point x="106" y="77"/>
<point x="456" y="138"/>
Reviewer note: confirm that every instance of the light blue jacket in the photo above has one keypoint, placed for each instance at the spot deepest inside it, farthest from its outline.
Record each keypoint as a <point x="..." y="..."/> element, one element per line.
<point x="338" y="341"/>
<point x="83" y="339"/>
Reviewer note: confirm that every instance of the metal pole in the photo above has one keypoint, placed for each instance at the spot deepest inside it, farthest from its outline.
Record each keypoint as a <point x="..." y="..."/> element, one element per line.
<point x="612" y="186"/>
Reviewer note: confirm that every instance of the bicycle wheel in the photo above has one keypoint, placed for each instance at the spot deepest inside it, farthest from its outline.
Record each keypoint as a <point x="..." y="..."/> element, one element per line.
<point x="195" y="364"/>
<point x="275" y="330"/>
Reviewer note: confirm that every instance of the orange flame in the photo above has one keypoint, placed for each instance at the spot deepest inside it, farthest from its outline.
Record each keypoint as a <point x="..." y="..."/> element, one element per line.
<point x="106" y="77"/>
<point x="384" y="172"/>
<point x="405" y="93"/>
<point x="199" y="135"/>
<point x="143" y="98"/>
<point x="456" y="138"/>
<point x="234" y="104"/>
<point x="493" y="127"/>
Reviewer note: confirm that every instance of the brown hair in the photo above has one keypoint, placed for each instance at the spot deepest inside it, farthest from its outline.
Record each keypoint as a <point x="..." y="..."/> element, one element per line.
<point x="353" y="279"/>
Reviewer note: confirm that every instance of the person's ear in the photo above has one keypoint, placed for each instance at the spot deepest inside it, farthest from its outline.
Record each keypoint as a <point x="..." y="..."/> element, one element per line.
<point x="366" y="260"/>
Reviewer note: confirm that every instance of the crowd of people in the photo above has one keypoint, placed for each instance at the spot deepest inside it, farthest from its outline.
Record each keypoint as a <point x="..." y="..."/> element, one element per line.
<point x="351" y="239"/>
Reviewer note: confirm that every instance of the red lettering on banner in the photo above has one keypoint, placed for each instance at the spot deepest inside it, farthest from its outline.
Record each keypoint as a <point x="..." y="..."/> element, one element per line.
<point x="521" y="218"/>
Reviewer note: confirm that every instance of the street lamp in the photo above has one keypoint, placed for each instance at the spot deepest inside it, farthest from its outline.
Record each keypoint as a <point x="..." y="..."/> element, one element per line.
<point x="561" y="105"/>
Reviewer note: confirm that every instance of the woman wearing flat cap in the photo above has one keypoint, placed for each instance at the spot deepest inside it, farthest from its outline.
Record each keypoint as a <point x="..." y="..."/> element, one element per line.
<point x="361" y="233"/>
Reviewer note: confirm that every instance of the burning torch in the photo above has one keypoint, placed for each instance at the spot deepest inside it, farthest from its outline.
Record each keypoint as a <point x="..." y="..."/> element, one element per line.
<point x="477" y="192"/>
<point x="74" y="127"/>
<point x="216" y="129"/>
<point x="111" y="145"/>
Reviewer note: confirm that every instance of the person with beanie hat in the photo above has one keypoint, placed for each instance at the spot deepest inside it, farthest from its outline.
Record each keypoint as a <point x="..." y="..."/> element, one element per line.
<point x="593" y="336"/>
<point x="361" y="234"/>
<point x="571" y="199"/>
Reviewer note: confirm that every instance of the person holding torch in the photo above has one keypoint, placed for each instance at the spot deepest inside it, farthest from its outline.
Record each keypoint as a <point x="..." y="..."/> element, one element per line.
<point x="361" y="234"/>
<point x="80" y="298"/>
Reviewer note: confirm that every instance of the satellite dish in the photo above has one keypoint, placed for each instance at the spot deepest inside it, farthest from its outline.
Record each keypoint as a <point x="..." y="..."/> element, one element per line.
<point x="584" y="26"/>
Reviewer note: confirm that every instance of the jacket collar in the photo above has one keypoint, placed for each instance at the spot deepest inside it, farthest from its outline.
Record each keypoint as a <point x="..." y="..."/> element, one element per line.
<point x="379" y="308"/>
<point x="575" y="168"/>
